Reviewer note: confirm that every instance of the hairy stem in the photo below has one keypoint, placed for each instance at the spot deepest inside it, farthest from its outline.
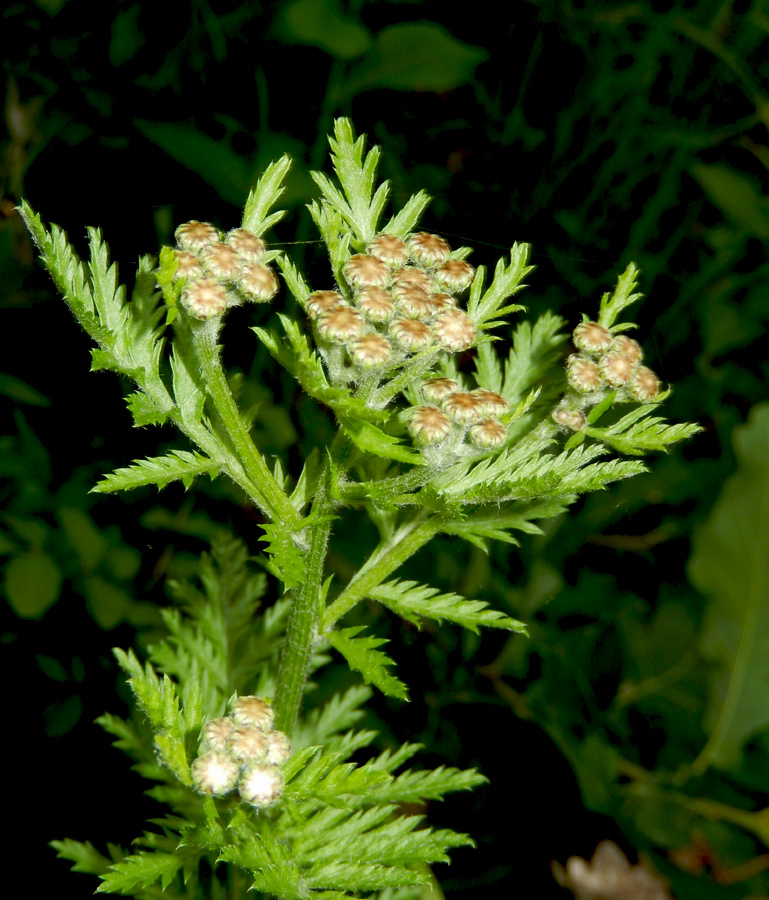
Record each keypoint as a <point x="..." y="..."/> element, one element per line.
<point x="387" y="557"/>
<point x="270" y="496"/>
<point x="305" y="616"/>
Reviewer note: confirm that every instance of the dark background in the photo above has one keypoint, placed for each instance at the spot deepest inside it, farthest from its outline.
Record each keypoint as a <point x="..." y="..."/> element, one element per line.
<point x="598" y="132"/>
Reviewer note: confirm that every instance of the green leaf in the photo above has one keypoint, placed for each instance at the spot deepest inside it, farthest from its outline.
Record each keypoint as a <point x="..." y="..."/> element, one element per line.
<point x="371" y="439"/>
<point x="160" y="471"/>
<point x="140" y="871"/>
<point x="145" y="411"/>
<point x="362" y="655"/>
<point x="738" y="197"/>
<point x="412" y="600"/>
<point x="612" y="305"/>
<point x="414" y="56"/>
<point x="487" y="308"/>
<point x="265" y="195"/>
<point x="84" y="856"/>
<point x="286" y="560"/>
<point x="32" y="584"/>
<point x="638" y="432"/>
<point x="536" y="351"/>
<point x="730" y="565"/>
<point x="322" y="23"/>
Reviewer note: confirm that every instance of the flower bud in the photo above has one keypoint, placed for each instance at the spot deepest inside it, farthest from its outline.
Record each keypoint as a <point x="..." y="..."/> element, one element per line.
<point x="488" y="433"/>
<point x="428" y="424"/>
<point x="493" y="403"/>
<point x="464" y="407"/>
<point x="592" y="337"/>
<point x="248" y="743"/>
<point x="188" y="266"/>
<point x="427" y="249"/>
<point x="214" y="774"/>
<point x="362" y="269"/>
<point x="375" y="304"/>
<point x="582" y="374"/>
<point x="644" y="385"/>
<point x="411" y="335"/>
<point x="441" y="302"/>
<point x="320" y="302"/>
<point x="221" y="261"/>
<point x="250" y="710"/>
<point x="194" y="235"/>
<point x="280" y="748"/>
<point x="258" y="282"/>
<point x="570" y="418"/>
<point x="408" y="276"/>
<point x="204" y="298"/>
<point x="214" y="734"/>
<point x="436" y="389"/>
<point x="454" y="275"/>
<point x="455" y="330"/>
<point x="628" y="347"/>
<point x="261" y="785"/>
<point x="413" y="302"/>
<point x="341" y="324"/>
<point x="370" y="351"/>
<point x="617" y="368"/>
<point x="246" y="244"/>
<point x="390" y="249"/>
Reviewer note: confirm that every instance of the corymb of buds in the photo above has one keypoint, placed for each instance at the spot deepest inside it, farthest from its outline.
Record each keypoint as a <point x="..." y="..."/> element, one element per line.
<point x="221" y="273"/>
<point x="242" y="750"/>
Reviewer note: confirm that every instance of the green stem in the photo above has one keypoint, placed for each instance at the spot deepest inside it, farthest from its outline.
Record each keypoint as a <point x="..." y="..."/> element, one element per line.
<point x="305" y="616"/>
<point x="270" y="496"/>
<point x="387" y="557"/>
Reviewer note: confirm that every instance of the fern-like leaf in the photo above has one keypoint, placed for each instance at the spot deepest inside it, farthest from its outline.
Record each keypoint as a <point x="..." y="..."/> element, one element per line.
<point x="361" y="654"/>
<point x="159" y="470"/>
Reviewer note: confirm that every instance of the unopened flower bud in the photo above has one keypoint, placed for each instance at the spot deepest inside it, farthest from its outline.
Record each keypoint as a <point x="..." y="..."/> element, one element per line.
<point x="464" y="407"/>
<point x="188" y="266"/>
<point x="390" y="249"/>
<point x="248" y="743"/>
<point x="204" y="298"/>
<point x="341" y="324"/>
<point x="454" y="275"/>
<point x="441" y="302"/>
<point x="375" y="304"/>
<point x="414" y="303"/>
<point x="363" y="269"/>
<point x="408" y="276"/>
<point x="258" y="282"/>
<point x="411" y="334"/>
<point x="617" y="368"/>
<point x="321" y="302"/>
<point x="370" y="351"/>
<point x="254" y="711"/>
<point x="455" y="330"/>
<point x="628" y="347"/>
<point x="488" y="433"/>
<point x="436" y="389"/>
<point x="261" y="785"/>
<point x="246" y="244"/>
<point x="221" y="260"/>
<point x="428" y="424"/>
<point x="427" y="249"/>
<point x="582" y="374"/>
<point x="493" y="403"/>
<point x="644" y="385"/>
<point x="592" y="337"/>
<point x="570" y="418"/>
<point x="194" y="235"/>
<point x="214" y="774"/>
<point x="214" y="734"/>
<point x="280" y="748"/>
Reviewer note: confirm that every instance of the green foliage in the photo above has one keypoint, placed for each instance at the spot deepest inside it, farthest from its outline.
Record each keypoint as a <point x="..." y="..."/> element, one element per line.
<point x="329" y="826"/>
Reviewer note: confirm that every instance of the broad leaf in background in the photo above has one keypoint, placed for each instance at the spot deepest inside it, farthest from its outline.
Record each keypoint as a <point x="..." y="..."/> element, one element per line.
<point x="730" y="565"/>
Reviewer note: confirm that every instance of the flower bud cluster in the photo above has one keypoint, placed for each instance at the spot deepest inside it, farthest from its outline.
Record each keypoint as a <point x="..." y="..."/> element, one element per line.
<point x="452" y="412"/>
<point x="404" y="300"/>
<point x="221" y="271"/>
<point x="242" y="751"/>
<point x="603" y="362"/>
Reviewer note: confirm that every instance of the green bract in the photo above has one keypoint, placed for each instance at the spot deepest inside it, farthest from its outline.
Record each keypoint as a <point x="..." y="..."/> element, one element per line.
<point x="492" y="448"/>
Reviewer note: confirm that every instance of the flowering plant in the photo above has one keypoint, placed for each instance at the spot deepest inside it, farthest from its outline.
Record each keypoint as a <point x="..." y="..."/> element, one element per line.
<point x="435" y="433"/>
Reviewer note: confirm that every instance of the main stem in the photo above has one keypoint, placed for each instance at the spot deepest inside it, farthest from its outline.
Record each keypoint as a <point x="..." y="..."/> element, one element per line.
<point x="305" y="616"/>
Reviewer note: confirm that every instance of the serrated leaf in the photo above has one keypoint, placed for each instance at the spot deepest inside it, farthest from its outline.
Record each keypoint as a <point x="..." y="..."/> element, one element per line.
<point x="613" y="304"/>
<point x="265" y="195"/>
<point x="730" y="565"/>
<point x="411" y="600"/>
<point x="371" y="439"/>
<point x="638" y="432"/>
<point x="145" y="411"/>
<point x="285" y="560"/>
<point x="84" y="856"/>
<point x="361" y="654"/>
<point x="140" y="871"/>
<point x="159" y="470"/>
<point x="488" y="307"/>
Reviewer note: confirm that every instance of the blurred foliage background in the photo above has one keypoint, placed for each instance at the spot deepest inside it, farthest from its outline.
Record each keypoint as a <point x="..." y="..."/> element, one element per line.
<point x="600" y="133"/>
